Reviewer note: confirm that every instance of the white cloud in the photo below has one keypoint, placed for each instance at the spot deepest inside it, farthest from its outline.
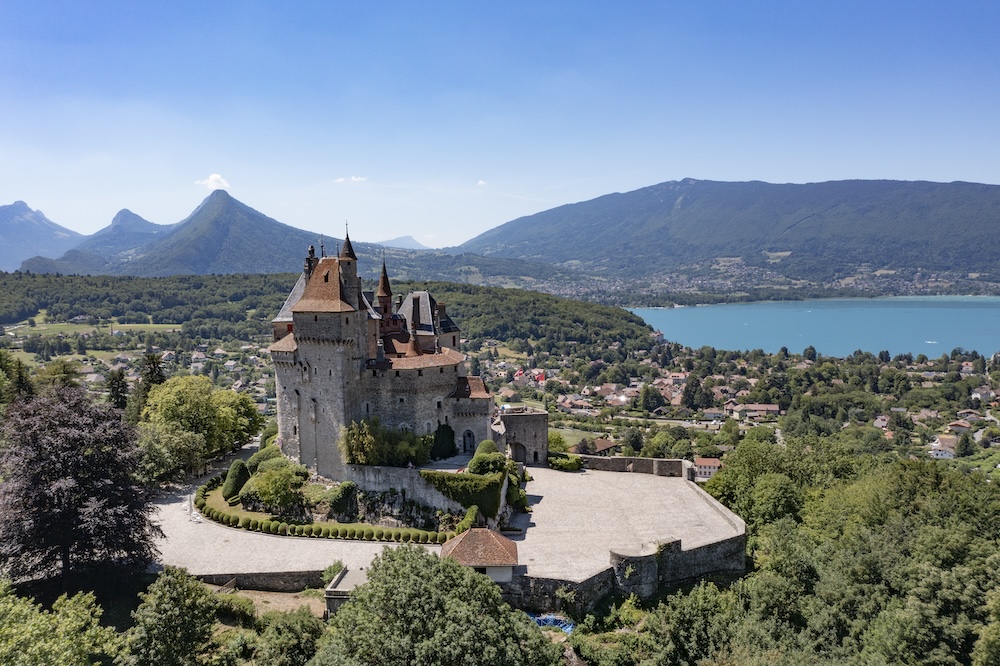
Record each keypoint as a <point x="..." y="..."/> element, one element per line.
<point x="352" y="179"/>
<point x="214" y="182"/>
<point x="481" y="183"/>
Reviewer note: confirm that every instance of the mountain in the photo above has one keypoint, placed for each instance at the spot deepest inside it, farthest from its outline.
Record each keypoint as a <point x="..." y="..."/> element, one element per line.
<point x="25" y="233"/>
<point x="404" y="242"/>
<point x="223" y="235"/>
<point x="811" y="231"/>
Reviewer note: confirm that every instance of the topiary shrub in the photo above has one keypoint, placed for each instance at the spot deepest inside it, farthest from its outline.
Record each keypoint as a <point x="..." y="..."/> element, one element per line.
<point x="234" y="520"/>
<point x="378" y="533"/>
<point x="487" y="463"/>
<point x="486" y="446"/>
<point x="369" y="534"/>
<point x="351" y="532"/>
<point x="238" y="475"/>
<point x="265" y="526"/>
<point x="571" y="463"/>
<point x="245" y="522"/>
<point x="266" y="453"/>
<point x="404" y="536"/>
<point x="469" y="489"/>
<point x="423" y="537"/>
<point x="470" y="520"/>
<point x="233" y="501"/>
<point x="254" y="524"/>
<point x="442" y="537"/>
<point x="283" y="529"/>
<point x="274" y="527"/>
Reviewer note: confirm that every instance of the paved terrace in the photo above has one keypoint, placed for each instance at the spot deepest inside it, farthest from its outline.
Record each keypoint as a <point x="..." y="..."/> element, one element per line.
<point x="576" y="519"/>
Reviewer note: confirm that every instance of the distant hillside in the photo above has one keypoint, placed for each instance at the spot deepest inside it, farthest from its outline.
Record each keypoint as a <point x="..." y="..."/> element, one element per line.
<point x="25" y="233"/>
<point x="814" y="231"/>
<point x="223" y="235"/>
<point x="405" y="243"/>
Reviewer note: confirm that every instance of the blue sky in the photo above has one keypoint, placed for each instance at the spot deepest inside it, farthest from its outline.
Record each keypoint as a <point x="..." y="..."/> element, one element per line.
<point x="441" y="120"/>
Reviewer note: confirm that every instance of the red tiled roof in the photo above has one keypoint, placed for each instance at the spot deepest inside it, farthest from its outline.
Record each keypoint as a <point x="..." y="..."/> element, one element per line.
<point x="446" y="357"/>
<point x="471" y="387"/>
<point x="285" y="344"/>
<point x="323" y="291"/>
<point x="480" y="547"/>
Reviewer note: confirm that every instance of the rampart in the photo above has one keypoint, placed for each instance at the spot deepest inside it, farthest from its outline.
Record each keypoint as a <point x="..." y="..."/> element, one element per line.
<point x="635" y="465"/>
<point x="403" y="479"/>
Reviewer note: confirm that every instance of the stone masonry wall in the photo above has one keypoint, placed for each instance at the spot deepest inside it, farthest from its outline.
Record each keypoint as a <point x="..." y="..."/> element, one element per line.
<point x="382" y="479"/>
<point x="655" y="466"/>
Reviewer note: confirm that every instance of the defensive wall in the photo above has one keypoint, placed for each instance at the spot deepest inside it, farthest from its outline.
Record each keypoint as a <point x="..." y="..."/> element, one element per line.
<point x="655" y="466"/>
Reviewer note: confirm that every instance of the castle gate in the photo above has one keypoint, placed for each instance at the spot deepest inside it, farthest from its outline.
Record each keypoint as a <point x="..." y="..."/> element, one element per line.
<point x="468" y="442"/>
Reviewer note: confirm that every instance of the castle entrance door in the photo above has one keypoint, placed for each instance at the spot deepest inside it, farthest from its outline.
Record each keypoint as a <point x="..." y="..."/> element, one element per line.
<point x="517" y="450"/>
<point x="468" y="441"/>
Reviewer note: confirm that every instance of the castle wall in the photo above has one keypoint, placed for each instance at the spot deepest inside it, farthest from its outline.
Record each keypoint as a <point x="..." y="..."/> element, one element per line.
<point x="526" y="434"/>
<point x="409" y="481"/>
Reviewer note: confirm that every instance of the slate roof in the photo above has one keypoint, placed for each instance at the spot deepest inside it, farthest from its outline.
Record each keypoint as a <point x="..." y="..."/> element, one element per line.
<point x="480" y="547"/>
<point x="285" y="313"/>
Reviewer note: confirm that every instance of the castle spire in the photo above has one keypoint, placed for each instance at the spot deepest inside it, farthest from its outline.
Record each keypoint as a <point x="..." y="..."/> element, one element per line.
<point x="384" y="290"/>
<point x="347" y="251"/>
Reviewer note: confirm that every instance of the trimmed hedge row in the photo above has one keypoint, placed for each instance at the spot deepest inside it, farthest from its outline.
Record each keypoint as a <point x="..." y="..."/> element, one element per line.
<point x="565" y="463"/>
<point x="364" y="533"/>
<point x="470" y="520"/>
<point x="469" y="489"/>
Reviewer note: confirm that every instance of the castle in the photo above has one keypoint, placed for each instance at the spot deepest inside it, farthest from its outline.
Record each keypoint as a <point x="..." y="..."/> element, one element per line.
<point x="344" y="355"/>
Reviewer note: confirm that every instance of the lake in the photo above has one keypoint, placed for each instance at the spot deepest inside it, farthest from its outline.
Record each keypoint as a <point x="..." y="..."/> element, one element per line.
<point x="931" y="325"/>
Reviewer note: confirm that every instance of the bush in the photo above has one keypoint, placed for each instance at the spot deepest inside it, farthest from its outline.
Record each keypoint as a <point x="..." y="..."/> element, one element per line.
<point x="444" y="442"/>
<point x="351" y="532"/>
<point x="423" y="537"/>
<point x="331" y="572"/>
<point x="266" y="453"/>
<point x="342" y="497"/>
<point x="378" y="533"/>
<point x="325" y="532"/>
<point x="274" y="527"/>
<point x="283" y="529"/>
<point x="487" y="446"/>
<point x="442" y="537"/>
<point x="404" y="536"/>
<point x="254" y="524"/>
<point x="234" y="520"/>
<point x="570" y="463"/>
<point x="233" y="501"/>
<point x="487" y="463"/>
<point x="369" y="534"/>
<point x="234" y="609"/>
<point x="469" y="489"/>
<point x="238" y="475"/>
<point x="516" y="496"/>
<point x="245" y="522"/>
<point x="265" y="526"/>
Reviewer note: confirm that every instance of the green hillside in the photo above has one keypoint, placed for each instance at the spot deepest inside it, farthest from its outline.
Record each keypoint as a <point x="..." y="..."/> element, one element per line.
<point x="812" y="231"/>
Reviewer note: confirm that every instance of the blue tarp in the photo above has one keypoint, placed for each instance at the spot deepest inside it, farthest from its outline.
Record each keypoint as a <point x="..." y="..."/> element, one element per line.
<point x="553" y="621"/>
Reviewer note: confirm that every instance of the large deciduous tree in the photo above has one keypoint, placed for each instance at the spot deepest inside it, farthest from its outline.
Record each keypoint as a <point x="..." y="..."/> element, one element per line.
<point x="418" y="609"/>
<point x="69" y="496"/>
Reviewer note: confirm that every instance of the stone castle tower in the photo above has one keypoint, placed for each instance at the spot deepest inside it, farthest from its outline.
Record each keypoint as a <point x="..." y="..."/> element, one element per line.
<point x="343" y="355"/>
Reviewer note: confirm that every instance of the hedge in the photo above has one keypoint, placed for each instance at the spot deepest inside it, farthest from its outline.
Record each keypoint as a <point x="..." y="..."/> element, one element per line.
<point x="570" y="463"/>
<point x="469" y="489"/>
<point x="343" y="496"/>
<point x="272" y="463"/>
<point x="470" y="520"/>
<point x="266" y="453"/>
<point x="486" y="446"/>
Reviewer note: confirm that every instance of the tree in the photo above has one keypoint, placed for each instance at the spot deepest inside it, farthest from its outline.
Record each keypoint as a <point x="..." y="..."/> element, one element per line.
<point x="70" y="634"/>
<point x="165" y="452"/>
<point x="69" y="496"/>
<point x="650" y="399"/>
<point x="59" y="372"/>
<point x="289" y="639"/>
<point x="226" y="419"/>
<point x="150" y="374"/>
<point x="117" y="388"/>
<point x="173" y="623"/>
<point x="419" y="609"/>
<point x="966" y="445"/>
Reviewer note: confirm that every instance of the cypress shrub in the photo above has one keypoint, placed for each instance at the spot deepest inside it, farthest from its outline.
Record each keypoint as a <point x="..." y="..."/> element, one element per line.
<point x="486" y="446"/>
<point x="369" y="534"/>
<point x="487" y="463"/>
<point x="238" y="475"/>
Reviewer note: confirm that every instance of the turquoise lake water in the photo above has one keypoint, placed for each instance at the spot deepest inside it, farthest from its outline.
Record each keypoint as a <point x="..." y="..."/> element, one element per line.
<point x="931" y="325"/>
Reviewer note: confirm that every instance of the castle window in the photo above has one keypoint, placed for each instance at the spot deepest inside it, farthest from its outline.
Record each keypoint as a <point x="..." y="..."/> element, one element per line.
<point x="295" y="430"/>
<point x="420" y="373"/>
<point x="397" y="373"/>
<point x="442" y="369"/>
<point x="347" y="321"/>
<point x="439" y="404"/>
<point x="315" y="317"/>
<point x="326" y="277"/>
<point x="374" y="373"/>
<point x="402" y="400"/>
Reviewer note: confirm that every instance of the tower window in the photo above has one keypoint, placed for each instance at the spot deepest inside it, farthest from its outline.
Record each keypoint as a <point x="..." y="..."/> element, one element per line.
<point x="374" y="373"/>
<point x="420" y="373"/>
<point x="439" y="404"/>
<point x="402" y="400"/>
<point x="315" y="317"/>
<point x="442" y="370"/>
<point x="397" y="373"/>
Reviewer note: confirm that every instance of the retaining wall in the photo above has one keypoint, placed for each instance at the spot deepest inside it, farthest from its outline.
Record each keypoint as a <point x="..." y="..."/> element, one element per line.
<point x="271" y="581"/>
<point x="405" y="479"/>
<point x="654" y="466"/>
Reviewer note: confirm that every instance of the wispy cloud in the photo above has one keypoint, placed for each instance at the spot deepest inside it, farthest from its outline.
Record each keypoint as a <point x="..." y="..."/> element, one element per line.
<point x="481" y="183"/>
<point x="352" y="179"/>
<point x="214" y="182"/>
